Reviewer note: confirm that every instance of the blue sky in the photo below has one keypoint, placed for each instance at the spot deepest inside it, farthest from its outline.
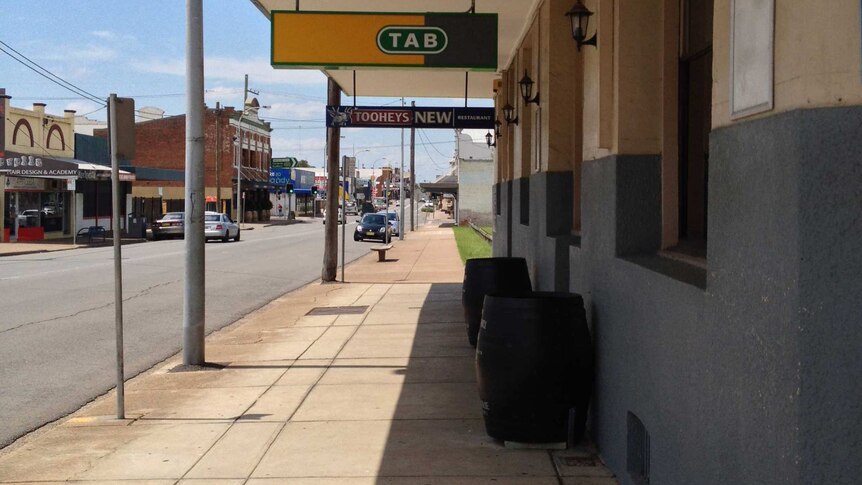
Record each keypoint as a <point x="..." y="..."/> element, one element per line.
<point x="137" y="48"/>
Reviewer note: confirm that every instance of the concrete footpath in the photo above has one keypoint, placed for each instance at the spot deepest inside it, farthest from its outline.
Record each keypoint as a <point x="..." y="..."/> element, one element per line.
<point x="365" y="382"/>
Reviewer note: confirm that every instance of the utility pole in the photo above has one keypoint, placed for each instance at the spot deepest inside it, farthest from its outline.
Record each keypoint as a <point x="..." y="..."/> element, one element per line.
<point x="413" y="208"/>
<point x="194" y="297"/>
<point x="342" y="202"/>
<point x="239" y="156"/>
<point x="333" y="141"/>
<point x="218" y="156"/>
<point x="401" y="228"/>
<point x="458" y="175"/>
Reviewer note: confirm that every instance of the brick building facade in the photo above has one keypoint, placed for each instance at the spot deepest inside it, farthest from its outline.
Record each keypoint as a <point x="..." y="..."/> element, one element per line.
<point x="160" y="146"/>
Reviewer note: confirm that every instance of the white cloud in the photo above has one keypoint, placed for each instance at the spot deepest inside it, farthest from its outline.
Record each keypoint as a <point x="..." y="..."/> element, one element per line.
<point x="75" y="72"/>
<point x="88" y="53"/>
<point x="176" y="67"/>
<point x="84" y="107"/>
<point x="308" y="110"/>
<point x="310" y="149"/>
<point x="104" y="34"/>
<point x="231" y="69"/>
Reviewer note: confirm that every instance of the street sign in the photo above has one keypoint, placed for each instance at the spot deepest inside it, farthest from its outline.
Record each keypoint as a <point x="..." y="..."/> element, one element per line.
<point x="409" y="117"/>
<point x="348" y="40"/>
<point x="287" y="162"/>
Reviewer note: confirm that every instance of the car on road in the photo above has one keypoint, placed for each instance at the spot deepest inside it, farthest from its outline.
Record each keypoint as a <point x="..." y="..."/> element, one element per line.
<point x="393" y="221"/>
<point x="169" y="226"/>
<point x="379" y="203"/>
<point x="338" y="217"/>
<point x="218" y="225"/>
<point x="350" y="208"/>
<point x="429" y="204"/>
<point x="373" y="226"/>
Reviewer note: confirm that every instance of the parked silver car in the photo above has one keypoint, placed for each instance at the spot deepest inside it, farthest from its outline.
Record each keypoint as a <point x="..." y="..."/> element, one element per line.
<point x="394" y="221"/>
<point x="218" y="225"/>
<point x="170" y="225"/>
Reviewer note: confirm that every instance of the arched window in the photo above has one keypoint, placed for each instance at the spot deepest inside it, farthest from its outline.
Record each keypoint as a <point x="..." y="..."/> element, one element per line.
<point x="22" y="123"/>
<point x="56" y="133"/>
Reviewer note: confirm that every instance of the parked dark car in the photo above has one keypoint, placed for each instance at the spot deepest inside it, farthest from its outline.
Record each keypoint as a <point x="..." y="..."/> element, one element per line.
<point x="170" y="225"/>
<point x="373" y="226"/>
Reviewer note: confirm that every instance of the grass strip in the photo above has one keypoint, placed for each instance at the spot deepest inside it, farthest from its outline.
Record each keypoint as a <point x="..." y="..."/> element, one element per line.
<point x="471" y="244"/>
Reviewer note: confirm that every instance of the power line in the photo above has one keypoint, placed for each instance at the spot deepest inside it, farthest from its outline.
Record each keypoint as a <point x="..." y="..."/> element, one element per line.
<point x="424" y="147"/>
<point x="29" y="63"/>
<point x="427" y="138"/>
<point x="292" y="95"/>
<point x="94" y="111"/>
<point x="63" y="98"/>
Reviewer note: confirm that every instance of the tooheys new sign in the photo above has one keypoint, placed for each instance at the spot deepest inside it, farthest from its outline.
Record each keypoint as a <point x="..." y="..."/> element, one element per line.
<point x="408" y="117"/>
<point x="346" y="40"/>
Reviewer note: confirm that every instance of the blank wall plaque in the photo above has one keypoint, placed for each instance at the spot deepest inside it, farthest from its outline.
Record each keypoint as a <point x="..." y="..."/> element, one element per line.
<point x="752" y="37"/>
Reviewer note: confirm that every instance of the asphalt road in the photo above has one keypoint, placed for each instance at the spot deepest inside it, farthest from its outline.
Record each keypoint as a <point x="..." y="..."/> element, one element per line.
<point x="57" y="347"/>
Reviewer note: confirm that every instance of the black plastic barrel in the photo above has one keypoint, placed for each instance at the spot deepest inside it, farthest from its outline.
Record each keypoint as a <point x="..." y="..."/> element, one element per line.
<point x="483" y="276"/>
<point x="534" y="364"/>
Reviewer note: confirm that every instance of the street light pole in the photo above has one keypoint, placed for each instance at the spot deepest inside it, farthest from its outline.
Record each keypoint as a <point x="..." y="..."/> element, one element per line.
<point x="401" y="186"/>
<point x="194" y="294"/>
<point x="239" y="157"/>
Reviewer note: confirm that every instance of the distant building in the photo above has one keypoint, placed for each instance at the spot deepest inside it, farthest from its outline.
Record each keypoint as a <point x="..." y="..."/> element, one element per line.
<point x="160" y="149"/>
<point x="475" y="174"/>
<point x="47" y="189"/>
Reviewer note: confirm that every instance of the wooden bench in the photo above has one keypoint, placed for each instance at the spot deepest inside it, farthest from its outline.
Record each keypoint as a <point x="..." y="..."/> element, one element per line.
<point x="381" y="251"/>
<point x="91" y="232"/>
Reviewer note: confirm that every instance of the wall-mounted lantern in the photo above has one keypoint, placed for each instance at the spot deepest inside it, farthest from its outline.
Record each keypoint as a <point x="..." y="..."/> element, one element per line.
<point x="526" y="85"/>
<point x="489" y="139"/>
<point x="509" y="115"/>
<point x="497" y="132"/>
<point x="580" y="15"/>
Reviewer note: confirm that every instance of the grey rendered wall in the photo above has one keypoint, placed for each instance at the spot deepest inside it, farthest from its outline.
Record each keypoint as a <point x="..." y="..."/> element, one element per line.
<point x="748" y="371"/>
<point x="790" y="204"/>
<point x="545" y="239"/>
<point x="502" y="244"/>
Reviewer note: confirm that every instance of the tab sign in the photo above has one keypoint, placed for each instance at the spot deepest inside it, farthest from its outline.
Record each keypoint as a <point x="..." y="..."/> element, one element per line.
<point x="409" y="39"/>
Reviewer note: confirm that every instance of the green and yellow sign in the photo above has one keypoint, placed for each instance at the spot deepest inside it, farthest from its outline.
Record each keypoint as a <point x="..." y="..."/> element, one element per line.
<point x="349" y="40"/>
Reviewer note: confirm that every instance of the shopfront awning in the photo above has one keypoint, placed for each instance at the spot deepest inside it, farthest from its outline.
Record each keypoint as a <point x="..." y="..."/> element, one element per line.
<point x="447" y="184"/>
<point x="35" y="166"/>
<point x="92" y="171"/>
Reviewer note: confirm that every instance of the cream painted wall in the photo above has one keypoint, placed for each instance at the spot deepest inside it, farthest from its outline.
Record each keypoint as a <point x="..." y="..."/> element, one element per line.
<point x="559" y="82"/>
<point x="41" y="124"/>
<point x="637" y="64"/>
<point x="817" y="57"/>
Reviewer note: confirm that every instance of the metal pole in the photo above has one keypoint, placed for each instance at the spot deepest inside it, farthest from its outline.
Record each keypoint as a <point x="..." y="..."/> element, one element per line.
<point x="238" y="171"/>
<point x="239" y="199"/>
<point x="343" y="204"/>
<point x="413" y="208"/>
<point x="401" y="187"/>
<point x="118" y="267"/>
<point x="458" y="176"/>
<point x="193" y="309"/>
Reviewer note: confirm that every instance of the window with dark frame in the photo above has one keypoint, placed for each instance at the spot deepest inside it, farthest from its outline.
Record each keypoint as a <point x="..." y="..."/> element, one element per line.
<point x="695" y="123"/>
